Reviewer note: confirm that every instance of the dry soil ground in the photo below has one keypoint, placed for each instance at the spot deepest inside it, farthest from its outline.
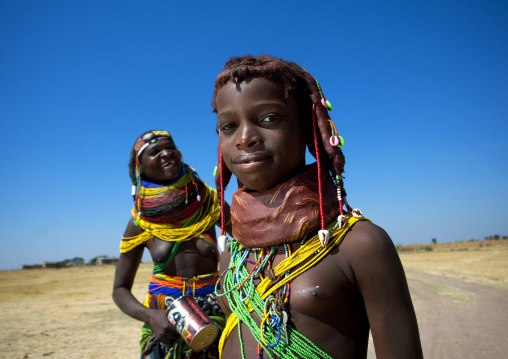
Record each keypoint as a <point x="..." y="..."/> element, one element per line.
<point x="460" y="294"/>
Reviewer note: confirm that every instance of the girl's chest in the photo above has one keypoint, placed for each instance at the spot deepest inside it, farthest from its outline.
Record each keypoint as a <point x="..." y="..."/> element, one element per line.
<point x="319" y="291"/>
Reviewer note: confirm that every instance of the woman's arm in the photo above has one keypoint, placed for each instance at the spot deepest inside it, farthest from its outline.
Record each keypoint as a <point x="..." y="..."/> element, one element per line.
<point x="125" y="273"/>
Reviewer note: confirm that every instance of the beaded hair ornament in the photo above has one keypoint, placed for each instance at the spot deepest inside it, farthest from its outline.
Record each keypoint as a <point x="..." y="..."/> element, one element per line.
<point x="147" y="139"/>
<point x="325" y="139"/>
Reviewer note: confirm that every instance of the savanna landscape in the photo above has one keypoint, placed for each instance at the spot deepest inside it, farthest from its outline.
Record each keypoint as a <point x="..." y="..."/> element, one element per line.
<point x="459" y="290"/>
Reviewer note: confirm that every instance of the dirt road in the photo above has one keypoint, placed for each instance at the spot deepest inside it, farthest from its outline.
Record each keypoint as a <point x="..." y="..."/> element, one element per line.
<point x="69" y="313"/>
<point x="458" y="319"/>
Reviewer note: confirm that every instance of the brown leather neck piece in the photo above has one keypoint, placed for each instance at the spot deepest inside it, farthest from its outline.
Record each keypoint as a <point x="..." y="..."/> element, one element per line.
<point x="285" y="213"/>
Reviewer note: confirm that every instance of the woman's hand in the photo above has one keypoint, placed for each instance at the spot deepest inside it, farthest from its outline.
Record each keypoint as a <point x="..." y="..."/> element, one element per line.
<point x="164" y="331"/>
<point x="126" y="270"/>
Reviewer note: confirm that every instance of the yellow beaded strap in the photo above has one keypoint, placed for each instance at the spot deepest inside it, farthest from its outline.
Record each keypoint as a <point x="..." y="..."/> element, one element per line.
<point x="205" y="217"/>
<point x="301" y="255"/>
<point x="184" y="180"/>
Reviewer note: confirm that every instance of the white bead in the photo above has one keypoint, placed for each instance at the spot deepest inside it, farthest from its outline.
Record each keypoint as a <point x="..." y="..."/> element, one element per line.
<point x="342" y="221"/>
<point x="324" y="237"/>
<point x="222" y="241"/>
<point x="357" y="213"/>
<point x="199" y="198"/>
<point x="133" y="190"/>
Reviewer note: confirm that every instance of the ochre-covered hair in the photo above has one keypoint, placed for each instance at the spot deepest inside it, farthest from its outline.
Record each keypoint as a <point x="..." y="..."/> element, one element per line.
<point x="323" y="141"/>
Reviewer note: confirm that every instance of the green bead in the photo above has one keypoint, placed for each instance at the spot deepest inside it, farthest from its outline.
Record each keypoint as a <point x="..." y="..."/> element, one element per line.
<point x="329" y="105"/>
<point x="136" y="223"/>
<point x="341" y="141"/>
<point x="215" y="171"/>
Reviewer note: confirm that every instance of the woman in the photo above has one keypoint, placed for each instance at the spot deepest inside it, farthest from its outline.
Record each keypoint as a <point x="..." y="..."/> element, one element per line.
<point x="173" y="216"/>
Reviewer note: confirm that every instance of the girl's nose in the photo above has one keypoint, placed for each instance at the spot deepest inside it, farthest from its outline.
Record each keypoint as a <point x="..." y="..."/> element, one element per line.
<point x="248" y="136"/>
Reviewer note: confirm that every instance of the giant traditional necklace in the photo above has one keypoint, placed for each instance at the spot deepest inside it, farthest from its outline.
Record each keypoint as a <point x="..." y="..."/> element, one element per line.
<point x="156" y="214"/>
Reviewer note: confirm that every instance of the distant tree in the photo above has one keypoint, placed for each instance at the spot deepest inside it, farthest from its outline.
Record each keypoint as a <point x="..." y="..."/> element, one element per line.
<point x="77" y="261"/>
<point x="434" y="240"/>
<point x="94" y="259"/>
<point x="496" y="237"/>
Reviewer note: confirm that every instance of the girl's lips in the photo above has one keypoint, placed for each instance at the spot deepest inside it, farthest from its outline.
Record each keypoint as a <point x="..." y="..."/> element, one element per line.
<point x="251" y="162"/>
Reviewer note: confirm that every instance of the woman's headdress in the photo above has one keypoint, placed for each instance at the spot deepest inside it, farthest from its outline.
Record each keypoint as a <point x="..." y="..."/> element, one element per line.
<point x="139" y="146"/>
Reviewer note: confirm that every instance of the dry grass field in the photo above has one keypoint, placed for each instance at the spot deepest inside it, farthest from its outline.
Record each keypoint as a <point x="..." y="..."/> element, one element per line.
<point x="481" y="262"/>
<point x="69" y="313"/>
<point x="66" y="313"/>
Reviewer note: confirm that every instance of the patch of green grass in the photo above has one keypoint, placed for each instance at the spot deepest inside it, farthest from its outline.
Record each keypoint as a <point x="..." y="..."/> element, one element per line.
<point x="454" y="293"/>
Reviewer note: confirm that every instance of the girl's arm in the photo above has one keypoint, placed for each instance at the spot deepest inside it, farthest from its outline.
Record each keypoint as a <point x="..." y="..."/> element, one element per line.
<point x="382" y="283"/>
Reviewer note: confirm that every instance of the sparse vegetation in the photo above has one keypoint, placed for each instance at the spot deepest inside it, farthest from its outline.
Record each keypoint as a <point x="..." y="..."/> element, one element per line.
<point x="450" y="246"/>
<point x="94" y="259"/>
<point x="495" y="237"/>
<point x="76" y="261"/>
<point x="482" y="262"/>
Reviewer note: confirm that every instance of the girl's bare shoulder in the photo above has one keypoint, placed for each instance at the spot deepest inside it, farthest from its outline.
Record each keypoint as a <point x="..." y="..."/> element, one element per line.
<point x="367" y="242"/>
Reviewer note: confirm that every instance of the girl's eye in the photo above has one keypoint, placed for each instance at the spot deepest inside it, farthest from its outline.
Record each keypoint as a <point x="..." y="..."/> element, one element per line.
<point x="225" y="126"/>
<point x="271" y="119"/>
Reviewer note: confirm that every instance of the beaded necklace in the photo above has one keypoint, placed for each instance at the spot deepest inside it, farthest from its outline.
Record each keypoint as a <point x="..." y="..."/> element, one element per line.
<point x="273" y="335"/>
<point x="171" y="202"/>
<point x="200" y="210"/>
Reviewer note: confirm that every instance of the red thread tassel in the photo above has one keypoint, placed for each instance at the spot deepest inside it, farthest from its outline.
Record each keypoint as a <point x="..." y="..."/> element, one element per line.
<point x="318" y="166"/>
<point x="222" y="220"/>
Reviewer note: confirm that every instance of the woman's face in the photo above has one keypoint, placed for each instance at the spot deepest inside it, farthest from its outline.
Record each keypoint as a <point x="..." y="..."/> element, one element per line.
<point x="261" y="136"/>
<point x="161" y="161"/>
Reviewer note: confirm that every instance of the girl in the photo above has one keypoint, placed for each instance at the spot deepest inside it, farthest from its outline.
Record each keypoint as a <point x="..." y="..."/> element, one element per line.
<point x="305" y="275"/>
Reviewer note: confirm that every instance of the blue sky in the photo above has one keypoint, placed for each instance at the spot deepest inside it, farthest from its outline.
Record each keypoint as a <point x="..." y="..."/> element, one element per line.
<point x="419" y="92"/>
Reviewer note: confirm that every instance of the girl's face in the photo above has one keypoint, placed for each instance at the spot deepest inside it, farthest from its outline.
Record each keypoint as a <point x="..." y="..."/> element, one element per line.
<point x="161" y="161"/>
<point x="261" y="136"/>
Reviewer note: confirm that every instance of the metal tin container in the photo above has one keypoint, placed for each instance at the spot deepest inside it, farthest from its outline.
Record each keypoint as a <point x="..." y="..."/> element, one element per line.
<point x="192" y="323"/>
